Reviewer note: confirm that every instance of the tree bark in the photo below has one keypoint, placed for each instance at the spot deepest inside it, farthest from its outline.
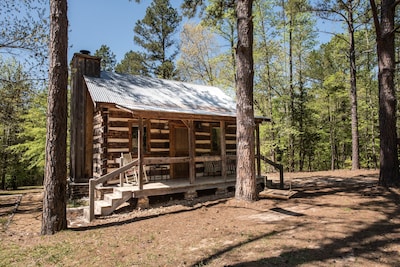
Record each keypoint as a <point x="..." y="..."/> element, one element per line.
<point x="246" y="180"/>
<point x="291" y="94"/>
<point x="54" y="201"/>
<point x="385" y="39"/>
<point x="353" y="91"/>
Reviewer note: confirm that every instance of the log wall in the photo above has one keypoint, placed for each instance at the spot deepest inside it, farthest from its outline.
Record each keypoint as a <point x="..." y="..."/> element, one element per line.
<point x="112" y="131"/>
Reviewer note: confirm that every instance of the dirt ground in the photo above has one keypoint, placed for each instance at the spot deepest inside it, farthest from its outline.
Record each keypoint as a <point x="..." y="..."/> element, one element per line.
<point x="338" y="218"/>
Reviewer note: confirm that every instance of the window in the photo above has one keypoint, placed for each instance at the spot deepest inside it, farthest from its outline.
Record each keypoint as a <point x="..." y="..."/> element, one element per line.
<point x="134" y="138"/>
<point x="216" y="140"/>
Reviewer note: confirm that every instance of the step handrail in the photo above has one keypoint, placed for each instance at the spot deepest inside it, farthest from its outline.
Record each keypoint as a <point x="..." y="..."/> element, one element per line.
<point x="95" y="181"/>
<point x="277" y="166"/>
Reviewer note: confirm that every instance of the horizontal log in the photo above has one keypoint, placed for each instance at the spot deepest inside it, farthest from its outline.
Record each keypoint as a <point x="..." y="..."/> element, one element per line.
<point x="206" y="141"/>
<point x="159" y="145"/>
<point x="165" y="160"/>
<point x="117" y="145"/>
<point x="119" y="114"/>
<point x="231" y="147"/>
<point x="118" y="124"/>
<point x="118" y="150"/>
<point x="204" y="146"/>
<point x="158" y="135"/>
<point x="207" y="158"/>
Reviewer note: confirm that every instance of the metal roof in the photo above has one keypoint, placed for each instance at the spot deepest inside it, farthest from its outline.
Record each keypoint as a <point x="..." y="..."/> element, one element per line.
<point x="152" y="94"/>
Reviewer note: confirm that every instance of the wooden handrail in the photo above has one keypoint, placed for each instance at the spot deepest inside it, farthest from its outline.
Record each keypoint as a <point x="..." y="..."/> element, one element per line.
<point x="277" y="166"/>
<point x="94" y="182"/>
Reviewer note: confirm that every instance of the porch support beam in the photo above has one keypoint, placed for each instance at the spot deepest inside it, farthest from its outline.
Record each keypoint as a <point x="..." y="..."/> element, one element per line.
<point x="258" y="152"/>
<point x="223" y="149"/>
<point x="192" y="151"/>
<point x="140" y="152"/>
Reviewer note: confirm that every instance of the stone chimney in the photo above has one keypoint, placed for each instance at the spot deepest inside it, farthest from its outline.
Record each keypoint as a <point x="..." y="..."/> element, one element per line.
<point x="82" y="109"/>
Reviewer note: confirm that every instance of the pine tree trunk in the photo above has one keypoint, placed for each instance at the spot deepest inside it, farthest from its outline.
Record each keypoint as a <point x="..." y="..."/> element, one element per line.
<point x="385" y="29"/>
<point x="54" y="201"/>
<point x="353" y="94"/>
<point x="291" y="95"/>
<point x="246" y="180"/>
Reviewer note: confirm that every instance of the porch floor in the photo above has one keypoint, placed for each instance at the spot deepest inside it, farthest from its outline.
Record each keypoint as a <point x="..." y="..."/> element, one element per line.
<point x="179" y="185"/>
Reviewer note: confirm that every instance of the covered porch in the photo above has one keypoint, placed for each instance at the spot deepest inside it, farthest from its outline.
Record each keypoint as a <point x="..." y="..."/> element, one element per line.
<point x="106" y="197"/>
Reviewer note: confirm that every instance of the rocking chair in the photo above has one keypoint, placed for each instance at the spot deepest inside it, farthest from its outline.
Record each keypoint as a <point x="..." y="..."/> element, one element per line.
<point x="132" y="174"/>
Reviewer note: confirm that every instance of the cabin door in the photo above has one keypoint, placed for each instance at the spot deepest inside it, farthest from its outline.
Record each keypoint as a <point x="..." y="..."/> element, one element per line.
<point x="181" y="170"/>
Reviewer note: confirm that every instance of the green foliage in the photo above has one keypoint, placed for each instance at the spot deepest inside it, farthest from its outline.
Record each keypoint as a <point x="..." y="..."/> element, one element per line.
<point x="108" y="60"/>
<point x="199" y="50"/>
<point x="132" y="63"/>
<point x="33" y="134"/>
<point x="154" y="33"/>
<point x="16" y="92"/>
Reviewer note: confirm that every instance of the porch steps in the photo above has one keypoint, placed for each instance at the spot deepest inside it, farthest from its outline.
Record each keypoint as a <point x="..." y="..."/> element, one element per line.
<point x="111" y="201"/>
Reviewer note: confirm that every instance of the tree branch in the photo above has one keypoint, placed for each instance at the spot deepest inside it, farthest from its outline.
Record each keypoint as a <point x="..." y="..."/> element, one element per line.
<point x="376" y="19"/>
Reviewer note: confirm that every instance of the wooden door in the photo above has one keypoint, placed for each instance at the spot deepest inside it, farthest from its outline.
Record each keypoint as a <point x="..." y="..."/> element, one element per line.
<point x="181" y="170"/>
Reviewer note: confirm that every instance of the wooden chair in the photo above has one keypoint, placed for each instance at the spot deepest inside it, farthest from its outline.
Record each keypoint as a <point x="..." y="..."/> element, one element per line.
<point x="231" y="166"/>
<point x="132" y="175"/>
<point x="212" y="167"/>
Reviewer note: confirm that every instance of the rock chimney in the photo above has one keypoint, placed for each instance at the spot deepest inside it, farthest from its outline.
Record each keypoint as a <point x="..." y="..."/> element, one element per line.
<point x="82" y="109"/>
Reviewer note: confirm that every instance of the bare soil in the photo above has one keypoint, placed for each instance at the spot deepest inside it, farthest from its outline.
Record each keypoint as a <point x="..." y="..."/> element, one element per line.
<point x="338" y="218"/>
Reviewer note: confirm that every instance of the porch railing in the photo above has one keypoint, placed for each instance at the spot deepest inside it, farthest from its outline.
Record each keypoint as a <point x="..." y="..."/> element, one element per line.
<point x="94" y="182"/>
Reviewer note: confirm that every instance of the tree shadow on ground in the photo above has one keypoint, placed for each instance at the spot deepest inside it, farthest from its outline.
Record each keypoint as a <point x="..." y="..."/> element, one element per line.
<point x="355" y="245"/>
<point x="147" y="217"/>
<point x="368" y="242"/>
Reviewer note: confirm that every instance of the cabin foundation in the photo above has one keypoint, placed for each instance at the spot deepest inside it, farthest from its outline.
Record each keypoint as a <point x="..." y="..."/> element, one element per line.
<point x="143" y="203"/>
<point x="190" y="195"/>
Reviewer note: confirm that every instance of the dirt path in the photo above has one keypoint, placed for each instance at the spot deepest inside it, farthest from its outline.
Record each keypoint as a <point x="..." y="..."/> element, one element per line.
<point x="336" y="219"/>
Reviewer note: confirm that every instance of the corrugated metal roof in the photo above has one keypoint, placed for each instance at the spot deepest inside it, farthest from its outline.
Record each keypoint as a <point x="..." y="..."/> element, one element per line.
<point x="145" y="93"/>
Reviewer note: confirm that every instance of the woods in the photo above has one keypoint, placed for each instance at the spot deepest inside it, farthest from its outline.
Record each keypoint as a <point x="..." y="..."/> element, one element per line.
<point x="326" y="75"/>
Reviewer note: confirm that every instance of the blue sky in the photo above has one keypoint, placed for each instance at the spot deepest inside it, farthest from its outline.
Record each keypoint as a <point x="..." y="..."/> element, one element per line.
<point x="96" y="22"/>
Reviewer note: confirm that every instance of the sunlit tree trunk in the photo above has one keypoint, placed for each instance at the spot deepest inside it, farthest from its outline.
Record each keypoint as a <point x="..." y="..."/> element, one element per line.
<point x="54" y="201"/>
<point x="385" y="30"/>
<point x="246" y="180"/>
<point x="353" y="91"/>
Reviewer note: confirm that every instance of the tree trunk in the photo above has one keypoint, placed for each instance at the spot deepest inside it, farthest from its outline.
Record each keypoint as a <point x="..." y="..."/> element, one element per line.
<point x="385" y="29"/>
<point x="54" y="201"/>
<point x="246" y="180"/>
<point x="291" y="95"/>
<point x="4" y="171"/>
<point x="353" y="92"/>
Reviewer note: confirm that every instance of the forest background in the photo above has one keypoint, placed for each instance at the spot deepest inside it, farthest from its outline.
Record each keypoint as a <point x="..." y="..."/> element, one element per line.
<point x="307" y="90"/>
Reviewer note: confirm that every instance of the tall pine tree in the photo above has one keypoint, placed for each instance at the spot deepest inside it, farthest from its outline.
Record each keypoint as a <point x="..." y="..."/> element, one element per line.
<point x="54" y="200"/>
<point x="154" y="33"/>
<point x="385" y="29"/>
<point x="108" y="60"/>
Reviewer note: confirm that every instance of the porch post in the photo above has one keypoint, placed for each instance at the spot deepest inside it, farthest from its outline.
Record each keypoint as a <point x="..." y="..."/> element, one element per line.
<point x="258" y="153"/>
<point x="140" y="152"/>
<point x="192" y="151"/>
<point x="223" y="150"/>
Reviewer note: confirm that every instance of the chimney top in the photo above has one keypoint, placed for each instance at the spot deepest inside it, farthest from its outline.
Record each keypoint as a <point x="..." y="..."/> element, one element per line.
<point x="85" y="52"/>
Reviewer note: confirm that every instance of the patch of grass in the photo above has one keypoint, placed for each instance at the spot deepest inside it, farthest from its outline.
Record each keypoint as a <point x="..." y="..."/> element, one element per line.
<point x="22" y="190"/>
<point x="39" y="255"/>
<point x="3" y="221"/>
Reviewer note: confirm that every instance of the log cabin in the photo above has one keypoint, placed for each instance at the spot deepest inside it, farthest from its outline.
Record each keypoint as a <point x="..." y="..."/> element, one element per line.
<point x="181" y="135"/>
